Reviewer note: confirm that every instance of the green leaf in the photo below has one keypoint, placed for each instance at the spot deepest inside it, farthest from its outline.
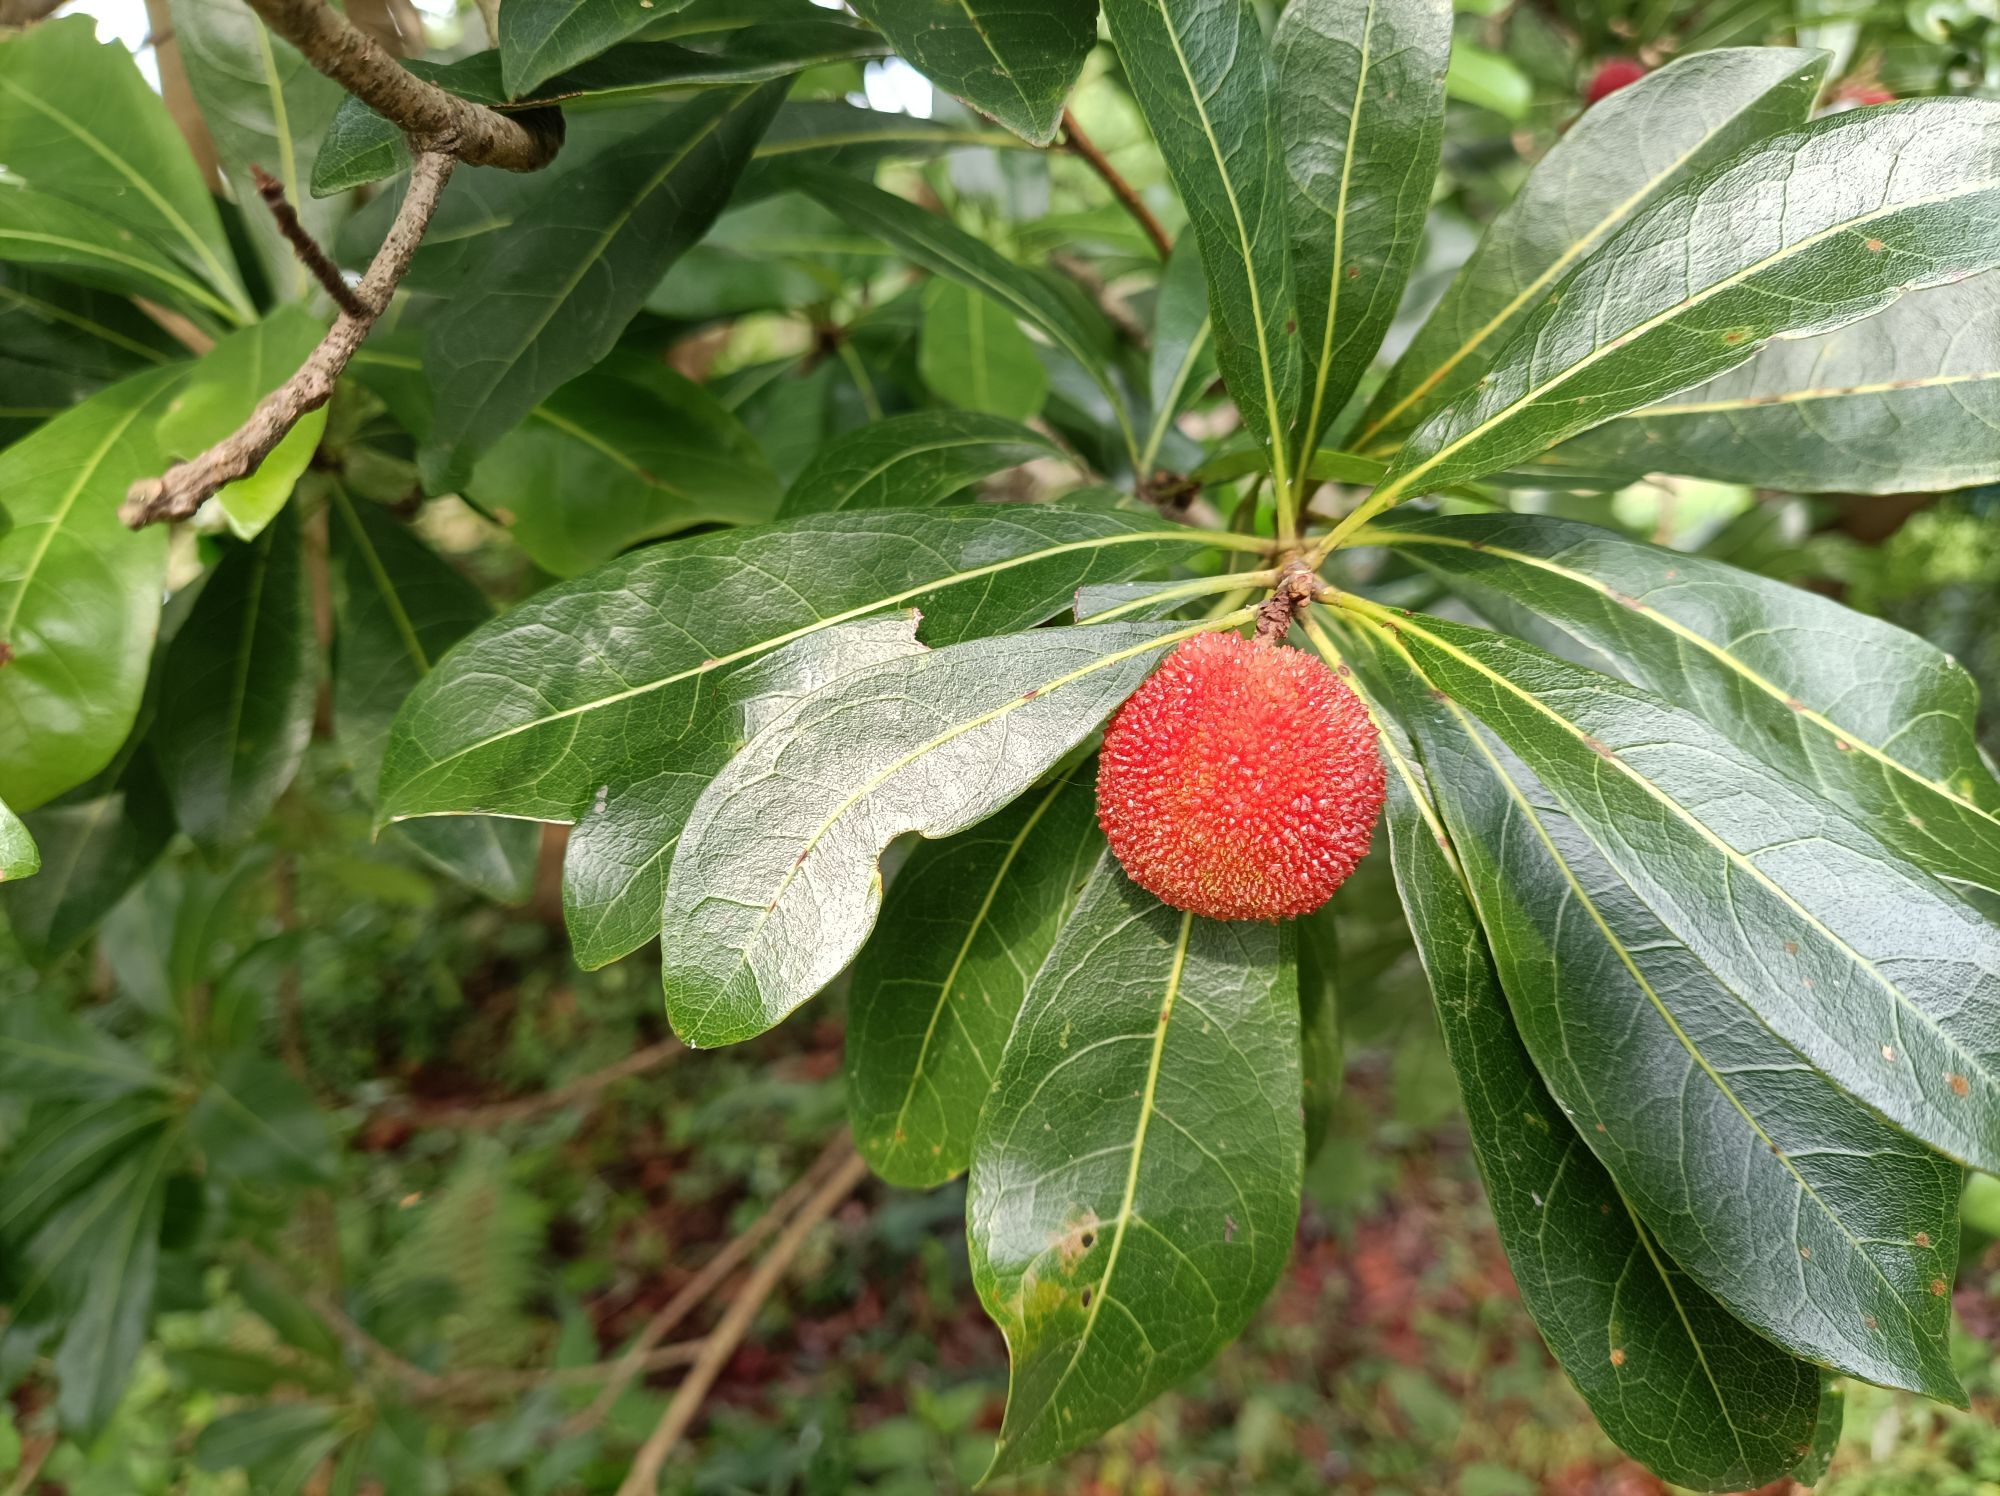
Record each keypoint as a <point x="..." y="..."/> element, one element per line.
<point x="1812" y="1219"/>
<point x="558" y="290"/>
<point x="1202" y="74"/>
<point x="826" y="135"/>
<point x="1670" y="127"/>
<point x="265" y="105"/>
<point x="934" y="993"/>
<point x="254" y="1438"/>
<point x="254" y="1122"/>
<point x="397" y="607"/>
<point x="540" y="38"/>
<point x="19" y="856"/>
<point x="1135" y="1177"/>
<point x="78" y="241"/>
<point x="49" y="1054"/>
<point x="596" y="679"/>
<point x="944" y="249"/>
<point x="1778" y="892"/>
<point x="911" y="461"/>
<point x="615" y="868"/>
<point x="1906" y="400"/>
<point x="79" y="593"/>
<point x="1183" y="352"/>
<point x="1488" y="80"/>
<point x="221" y="391"/>
<point x="629" y="451"/>
<point x="1361" y="101"/>
<point x="1322" y="1048"/>
<point x="96" y="844"/>
<point x="1849" y="212"/>
<point x="1673" y="1379"/>
<point x="774" y="885"/>
<point x="234" y="723"/>
<point x="1881" y="721"/>
<point x="974" y="355"/>
<point x="1812" y="1466"/>
<point x="78" y="121"/>
<point x="118" y="1245"/>
<point x="1012" y="61"/>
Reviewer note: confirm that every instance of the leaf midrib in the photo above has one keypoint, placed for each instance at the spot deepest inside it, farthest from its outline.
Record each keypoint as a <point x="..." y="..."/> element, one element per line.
<point x="1799" y="397"/>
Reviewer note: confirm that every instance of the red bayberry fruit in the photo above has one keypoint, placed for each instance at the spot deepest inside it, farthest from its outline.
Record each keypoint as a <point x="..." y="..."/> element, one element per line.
<point x="1617" y="73"/>
<point x="1863" y="94"/>
<point x="1241" y="781"/>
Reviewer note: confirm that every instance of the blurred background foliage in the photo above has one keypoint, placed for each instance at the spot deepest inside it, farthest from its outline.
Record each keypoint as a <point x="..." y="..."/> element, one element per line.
<point x="424" y="1179"/>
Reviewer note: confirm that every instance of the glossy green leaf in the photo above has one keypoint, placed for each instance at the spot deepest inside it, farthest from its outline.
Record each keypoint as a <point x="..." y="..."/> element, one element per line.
<point x="1812" y="1219"/>
<point x="935" y="992"/>
<point x="79" y="593"/>
<point x="398" y="606"/>
<point x="1322" y="1048"/>
<point x="96" y="844"/>
<point x="942" y="248"/>
<point x="615" y="868"/>
<point x="540" y="38"/>
<point x="1672" y="1377"/>
<point x="1202" y="74"/>
<point x="78" y="241"/>
<point x="1135" y="1176"/>
<point x="972" y="354"/>
<point x="774" y="885"/>
<point x="1183" y="351"/>
<point x="264" y="105"/>
<point x="233" y="726"/>
<point x="19" y="856"/>
<point x="626" y="452"/>
<point x="596" y="679"/>
<point x="221" y="391"/>
<point x="822" y="135"/>
<point x="1907" y="400"/>
<point x="60" y="324"/>
<point x="1879" y="720"/>
<point x="1780" y="893"/>
<point x="1361" y="108"/>
<point x="911" y="461"/>
<point x="78" y="121"/>
<point x="255" y="1122"/>
<point x="1489" y="80"/>
<point x="1012" y="61"/>
<point x="1844" y="215"/>
<point x="558" y="290"/>
<point x="1670" y="127"/>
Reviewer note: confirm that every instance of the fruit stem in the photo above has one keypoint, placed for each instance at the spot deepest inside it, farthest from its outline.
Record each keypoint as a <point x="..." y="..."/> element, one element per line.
<point x="1296" y="587"/>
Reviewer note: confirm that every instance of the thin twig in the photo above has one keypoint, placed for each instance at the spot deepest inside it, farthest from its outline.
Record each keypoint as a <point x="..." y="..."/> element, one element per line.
<point x="697" y="1289"/>
<point x="185" y="485"/>
<point x="1080" y="144"/>
<point x="35" y="1453"/>
<point x="498" y="1114"/>
<point x="303" y="244"/>
<point x="432" y="118"/>
<point x="644" y="1477"/>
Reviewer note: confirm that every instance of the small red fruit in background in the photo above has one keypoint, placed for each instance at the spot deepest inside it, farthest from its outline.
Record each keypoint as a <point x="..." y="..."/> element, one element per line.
<point x="1617" y="73"/>
<point x="1241" y="781"/>
<point x="1860" y="94"/>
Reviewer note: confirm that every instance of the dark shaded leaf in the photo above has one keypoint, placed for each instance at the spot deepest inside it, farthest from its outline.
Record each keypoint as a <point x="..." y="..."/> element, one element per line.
<point x="911" y="461"/>
<point x="557" y="292"/>
<point x="254" y="1122"/>
<point x="972" y="354"/>
<point x="935" y="991"/>
<point x="233" y="728"/>
<point x="540" y="38"/>
<point x="1135" y="1177"/>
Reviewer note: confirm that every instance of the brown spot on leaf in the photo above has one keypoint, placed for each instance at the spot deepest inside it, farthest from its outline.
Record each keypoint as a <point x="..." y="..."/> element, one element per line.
<point x="1939" y="1288"/>
<point x="1791" y="947"/>
<point x="1805" y="1251"/>
<point x="6" y="653"/>
<point x="1735" y="335"/>
<point x="1086" y="1298"/>
<point x="1600" y="1127"/>
<point x="1354" y="272"/>
<point x="1072" y="1243"/>
<point x="1868" y="1320"/>
<point x="1229" y="1228"/>
<point x="1874" y="246"/>
<point x="1960" y="1086"/>
<point x="1031" y="693"/>
<point x="1889" y="1053"/>
<point x="1601" y="749"/>
<point x="1618" y="1355"/>
<point x="1843" y="745"/>
<point x="1795" y="704"/>
<point x="1922" y="1238"/>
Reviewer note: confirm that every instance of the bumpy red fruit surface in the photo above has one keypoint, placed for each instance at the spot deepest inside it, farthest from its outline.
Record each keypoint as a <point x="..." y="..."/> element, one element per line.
<point x="1241" y="781"/>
